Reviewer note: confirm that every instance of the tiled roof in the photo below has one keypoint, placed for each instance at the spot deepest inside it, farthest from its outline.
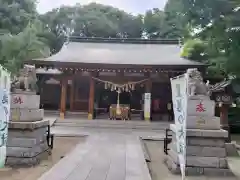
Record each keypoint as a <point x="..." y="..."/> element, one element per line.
<point x="121" y="53"/>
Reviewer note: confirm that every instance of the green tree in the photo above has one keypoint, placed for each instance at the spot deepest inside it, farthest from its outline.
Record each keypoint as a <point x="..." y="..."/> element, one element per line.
<point x="218" y="22"/>
<point x="15" y="15"/>
<point x="23" y="36"/>
<point x="154" y="22"/>
<point x="203" y="12"/>
<point x="168" y="24"/>
<point x="175" y="23"/>
<point x="15" y="49"/>
<point x="92" y="20"/>
<point x="195" y="49"/>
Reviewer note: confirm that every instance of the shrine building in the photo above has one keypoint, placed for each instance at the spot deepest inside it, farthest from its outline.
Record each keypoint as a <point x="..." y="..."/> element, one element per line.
<point x="92" y="75"/>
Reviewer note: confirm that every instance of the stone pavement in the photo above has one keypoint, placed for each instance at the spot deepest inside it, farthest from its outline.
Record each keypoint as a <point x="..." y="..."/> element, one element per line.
<point x="199" y="178"/>
<point x="52" y="119"/>
<point x="113" y="124"/>
<point x="82" y="127"/>
<point x="81" y="131"/>
<point x="103" y="157"/>
<point x="109" y="154"/>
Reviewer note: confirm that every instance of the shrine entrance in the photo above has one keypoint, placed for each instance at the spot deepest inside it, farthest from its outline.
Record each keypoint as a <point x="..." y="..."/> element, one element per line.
<point x="112" y="95"/>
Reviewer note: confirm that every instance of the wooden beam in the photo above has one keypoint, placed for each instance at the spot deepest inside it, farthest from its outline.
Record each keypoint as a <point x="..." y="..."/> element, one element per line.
<point x="63" y="97"/>
<point x="91" y="99"/>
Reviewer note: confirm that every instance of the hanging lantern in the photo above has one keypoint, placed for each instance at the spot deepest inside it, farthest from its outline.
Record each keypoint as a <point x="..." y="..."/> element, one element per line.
<point x="105" y="85"/>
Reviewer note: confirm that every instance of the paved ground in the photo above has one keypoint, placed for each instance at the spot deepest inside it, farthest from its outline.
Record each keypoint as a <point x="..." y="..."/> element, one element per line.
<point x="62" y="146"/>
<point x="81" y="131"/>
<point x="103" y="157"/>
<point x="75" y="127"/>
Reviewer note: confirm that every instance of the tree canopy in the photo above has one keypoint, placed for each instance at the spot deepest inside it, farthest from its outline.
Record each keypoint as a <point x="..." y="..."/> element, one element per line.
<point x="15" y="15"/>
<point x="217" y="24"/>
<point x="21" y="31"/>
<point x="14" y="49"/>
<point x="92" y="20"/>
<point x="209" y="29"/>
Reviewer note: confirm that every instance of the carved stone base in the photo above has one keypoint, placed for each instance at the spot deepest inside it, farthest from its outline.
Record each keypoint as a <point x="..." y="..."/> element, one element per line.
<point x="197" y="171"/>
<point x="203" y="122"/>
<point x="26" y="161"/>
<point x="27" y="126"/>
<point x="26" y="152"/>
<point x="200" y="107"/>
<point x="27" y="143"/>
<point x="205" y="153"/>
<point x="26" y="100"/>
<point x="26" y="115"/>
<point x="20" y="91"/>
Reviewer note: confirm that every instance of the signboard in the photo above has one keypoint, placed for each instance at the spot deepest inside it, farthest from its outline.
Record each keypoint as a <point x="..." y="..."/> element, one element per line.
<point x="5" y="84"/>
<point x="223" y="98"/>
<point x="179" y="98"/>
<point x="147" y="106"/>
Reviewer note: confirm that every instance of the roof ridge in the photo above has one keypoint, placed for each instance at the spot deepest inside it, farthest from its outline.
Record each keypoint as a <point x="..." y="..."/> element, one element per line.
<point x="123" y="40"/>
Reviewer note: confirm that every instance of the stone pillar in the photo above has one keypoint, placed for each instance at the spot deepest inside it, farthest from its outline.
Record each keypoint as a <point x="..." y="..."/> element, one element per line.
<point x="63" y="98"/>
<point x="91" y="100"/>
<point x="205" y="141"/>
<point x="27" y="142"/>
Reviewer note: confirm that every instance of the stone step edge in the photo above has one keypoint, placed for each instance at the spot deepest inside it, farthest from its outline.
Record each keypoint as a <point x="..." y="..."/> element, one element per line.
<point x="175" y="158"/>
<point x="196" y="171"/>
<point x="26" y="121"/>
<point x="111" y="126"/>
<point x="37" y="154"/>
<point x="28" y="125"/>
<point x="19" y="162"/>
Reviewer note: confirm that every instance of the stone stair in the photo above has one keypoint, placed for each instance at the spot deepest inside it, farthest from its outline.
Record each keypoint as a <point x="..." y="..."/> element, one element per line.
<point x="118" y="124"/>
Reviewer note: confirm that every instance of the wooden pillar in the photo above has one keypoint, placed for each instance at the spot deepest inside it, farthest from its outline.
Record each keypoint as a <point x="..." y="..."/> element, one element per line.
<point x="91" y="99"/>
<point x="224" y="120"/>
<point x="63" y="98"/>
<point x="148" y="87"/>
<point x="72" y="95"/>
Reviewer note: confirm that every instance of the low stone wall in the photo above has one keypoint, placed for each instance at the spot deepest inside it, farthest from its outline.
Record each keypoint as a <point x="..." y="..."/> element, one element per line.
<point x="205" y="153"/>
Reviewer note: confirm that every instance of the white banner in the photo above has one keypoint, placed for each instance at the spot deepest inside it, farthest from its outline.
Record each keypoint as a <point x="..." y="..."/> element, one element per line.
<point x="147" y="106"/>
<point x="5" y="84"/>
<point x="179" y="98"/>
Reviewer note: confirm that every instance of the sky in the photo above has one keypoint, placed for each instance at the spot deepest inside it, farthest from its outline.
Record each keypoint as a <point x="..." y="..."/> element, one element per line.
<point x="130" y="6"/>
